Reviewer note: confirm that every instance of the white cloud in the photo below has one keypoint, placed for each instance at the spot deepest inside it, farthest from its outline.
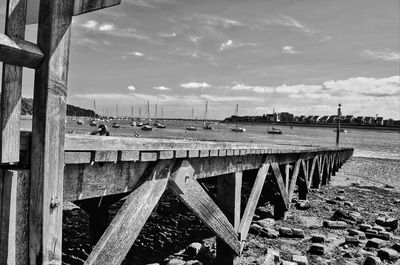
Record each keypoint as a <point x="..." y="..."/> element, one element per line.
<point x="138" y="54"/>
<point x="167" y="34"/>
<point x="90" y="24"/>
<point x="289" y="22"/>
<point x="132" y="88"/>
<point x="161" y="88"/>
<point x="289" y="50"/>
<point x="258" y="89"/>
<point x="106" y="27"/>
<point x="389" y="56"/>
<point x="229" y="44"/>
<point x="196" y="85"/>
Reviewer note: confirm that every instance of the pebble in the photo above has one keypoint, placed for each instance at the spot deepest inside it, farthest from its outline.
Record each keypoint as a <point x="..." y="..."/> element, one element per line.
<point x="331" y="201"/>
<point x="267" y="222"/>
<point x="375" y="243"/>
<point x="347" y="216"/>
<point x="300" y="260"/>
<point x="389" y="222"/>
<point x="360" y="234"/>
<point x="372" y="260"/>
<point x="176" y="262"/>
<point x="365" y="227"/>
<point x="378" y="228"/>
<point x="193" y="249"/>
<point x="335" y="224"/>
<point x="193" y="262"/>
<point x="298" y="233"/>
<point x="291" y="232"/>
<point x="340" y="198"/>
<point x="318" y="249"/>
<point x="271" y="257"/>
<point x="388" y="254"/>
<point x="302" y="205"/>
<point x="269" y="233"/>
<point x="263" y="212"/>
<point x="318" y="238"/>
<point x="352" y="240"/>
<point x="285" y="262"/>
<point x="397" y="201"/>
<point x="255" y="229"/>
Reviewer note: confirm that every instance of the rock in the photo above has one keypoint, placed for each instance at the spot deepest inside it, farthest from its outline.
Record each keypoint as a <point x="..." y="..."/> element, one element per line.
<point x="269" y="233"/>
<point x="263" y="212"/>
<point x="335" y="224"/>
<point x="351" y="217"/>
<point x="193" y="262"/>
<point x="397" y="201"/>
<point x="300" y="260"/>
<point x="372" y="260"/>
<point x="267" y="222"/>
<point x="375" y="234"/>
<point x="298" y="233"/>
<point x="193" y="249"/>
<point x="317" y="238"/>
<point x="331" y="201"/>
<point x="352" y="240"/>
<point x="396" y="247"/>
<point x="272" y="257"/>
<point x="360" y="234"/>
<point x="340" y="198"/>
<point x="378" y="228"/>
<point x="365" y="227"/>
<point x="255" y="229"/>
<point x="302" y="205"/>
<point x="317" y="249"/>
<point x="285" y="262"/>
<point x="341" y="191"/>
<point x="285" y="232"/>
<point x="386" y="221"/>
<point x="176" y="262"/>
<point x="375" y="243"/>
<point x="348" y="204"/>
<point x="388" y="254"/>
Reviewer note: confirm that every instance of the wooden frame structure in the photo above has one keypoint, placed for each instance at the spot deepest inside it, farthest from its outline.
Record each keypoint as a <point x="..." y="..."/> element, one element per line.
<point x="44" y="168"/>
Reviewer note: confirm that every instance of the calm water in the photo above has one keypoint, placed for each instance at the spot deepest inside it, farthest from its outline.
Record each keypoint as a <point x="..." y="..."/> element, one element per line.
<point x="367" y="143"/>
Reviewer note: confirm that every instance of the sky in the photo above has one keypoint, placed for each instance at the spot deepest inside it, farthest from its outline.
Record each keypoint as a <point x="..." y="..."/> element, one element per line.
<point x="299" y="56"/>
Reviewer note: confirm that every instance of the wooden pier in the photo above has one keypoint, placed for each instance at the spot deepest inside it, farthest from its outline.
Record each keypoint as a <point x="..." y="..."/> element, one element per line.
<point x="42" y="169"/>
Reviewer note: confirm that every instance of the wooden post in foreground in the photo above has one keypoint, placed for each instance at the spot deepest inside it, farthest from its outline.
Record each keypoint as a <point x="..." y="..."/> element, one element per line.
<point x="48" y="132"/>
<point x="229" y="198"/>
<point x="12" y="87"/>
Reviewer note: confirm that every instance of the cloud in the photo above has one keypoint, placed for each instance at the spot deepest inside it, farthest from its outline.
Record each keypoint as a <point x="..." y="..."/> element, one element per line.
<point x="229" y="44"/>
<point x="132" y="88"/>
<point x="223" y="99"/>
<point x="196" y="85"/>
<point x="106" y="27"/>
<point x="289" y="22"/>
<point x="90" y="24"/>
<point x="161" y="88"/>
<point x="149" y="3"/>
<point x="258" y="89"/>
<point x="167" y="34"/>
<point x="138" y="54"/>
<point x="389" y="56"/>
<point x="289" y="50"/>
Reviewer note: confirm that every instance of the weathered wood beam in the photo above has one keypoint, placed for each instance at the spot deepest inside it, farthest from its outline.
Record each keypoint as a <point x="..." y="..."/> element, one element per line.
<point x="293" y="181"/>
<point x="130" y="219"/>
<point x="281" y="201"/>
<point x="303" y="181"/>
<point x="252" y="203"/>
<point x="229" y="189"/>
<point x="11" y="86"/>
<point x="18" y="52"/>
<point x="80" y="7"/>
<point x="14" y="212"/>
<point x="48" y="133"/>
<point x="190" y="192"/>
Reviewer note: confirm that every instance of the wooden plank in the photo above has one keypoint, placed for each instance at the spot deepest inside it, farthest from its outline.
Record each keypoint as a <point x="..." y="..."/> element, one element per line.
<point x="236" y="152"/>
<point x="242" y="152"/>
<point x="129" y="155"/>
<point x="105" y="156"/>
<point x="77" y="157"/>
<point x="252" y="203"/>
<point x="314" y="167"/>
<point x="181" y="153"/>
<point x="166" y="154"/>
<point x="305" y="173"/>
<point x="222" y="152"/>
<point x="293" y="180"/>
<point x="229" y="199"/>
<point x="213" y="152"/>
<point x="190" y="192"/>
<point x="19" y="52"/>
<point x="193" y="153"/>
<point x="10" y="109"/>
<point x="80" y="7"/>
<point x="229" y="152"/>
<point x="281" y="203"/>
<point x="287" y="176"/>
<point x="148" y="156"/>
<point x="204" y="153"/>
<point x="14" y="215"/>
<point x="127" y="224"/>
<point x="48" y="133"/>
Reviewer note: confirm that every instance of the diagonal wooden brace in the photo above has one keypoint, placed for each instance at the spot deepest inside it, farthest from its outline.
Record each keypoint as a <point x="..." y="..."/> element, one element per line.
<point x="126" y="225"/>
<point x="282" y="199"/>
<point x="293" y="180"/>
<point x="190" y="192"/>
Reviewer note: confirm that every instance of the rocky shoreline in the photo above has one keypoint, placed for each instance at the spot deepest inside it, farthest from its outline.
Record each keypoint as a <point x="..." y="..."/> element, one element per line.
<point x="352" y="224"/>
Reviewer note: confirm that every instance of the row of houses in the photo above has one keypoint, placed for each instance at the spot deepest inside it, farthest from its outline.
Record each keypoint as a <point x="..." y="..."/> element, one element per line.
<point x="348" y="119"/>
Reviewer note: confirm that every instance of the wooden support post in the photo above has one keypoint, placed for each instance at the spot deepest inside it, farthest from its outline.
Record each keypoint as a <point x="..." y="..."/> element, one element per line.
<point x="126" y="225"/>
<point x="14" y="212"/>
<point x="229" y="198"/>
<point x="252" y="203"/>
<point x="281" y="200"/>
<point x="314" y="173"/>
<point x="48" y="132"/>
<point x="12" y="87"/>
<point x="190" y="192"/>
<point x="303" y="187"/>
<point x="287" y="175"/>
<point x="293" y="181"/>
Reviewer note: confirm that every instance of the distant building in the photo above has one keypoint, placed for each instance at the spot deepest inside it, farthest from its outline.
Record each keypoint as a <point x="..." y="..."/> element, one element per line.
<point x="348" y="119"/>
<point x="369" y="120"/>
<point x="359" y="120"/>
<point x="331" y="119"/>
<point x="286" y="117"/>
<point x="324" y="119"/>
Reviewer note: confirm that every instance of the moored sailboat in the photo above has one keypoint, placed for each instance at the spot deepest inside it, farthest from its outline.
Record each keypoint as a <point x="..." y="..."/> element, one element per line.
<point x="147" y="127"/>
<point x="237" y="128"/>
<point x="206" y="124"/>
<point x="191" y="127"/>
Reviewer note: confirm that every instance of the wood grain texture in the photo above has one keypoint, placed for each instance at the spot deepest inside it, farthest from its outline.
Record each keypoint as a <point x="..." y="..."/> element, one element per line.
<point x="229" y="189"/>
<point x="10" y="109"/>
<point x="293" y="180"/>
<point x="190" y="192"/>
<point x="283" y="196"/>
<point x="48" y="133"/>
<point x="14" y="215"/>
<point x="252" y="203"/>
<point x="19" y="52"/>
<point x="126" y="225"/>
<point x="80" y="7"/>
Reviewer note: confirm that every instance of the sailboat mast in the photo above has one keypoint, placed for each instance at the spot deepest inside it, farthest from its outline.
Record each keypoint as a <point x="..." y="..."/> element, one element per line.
<point x="140" y="113"/>
<point x="116" y="110"/>
<point x="132" y="111"/>
<point x="148" y="111"/>
<point x="237" y="113"/>
<point x="155" y="114"/>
